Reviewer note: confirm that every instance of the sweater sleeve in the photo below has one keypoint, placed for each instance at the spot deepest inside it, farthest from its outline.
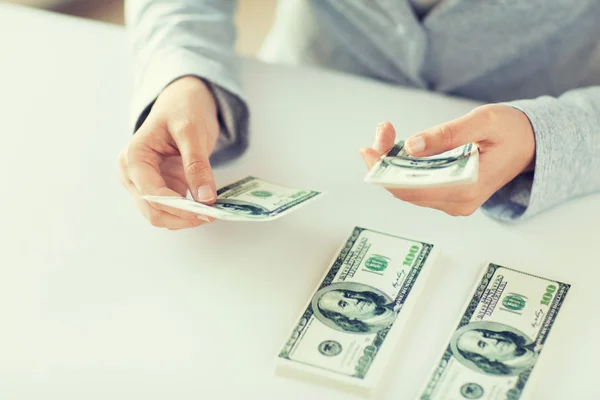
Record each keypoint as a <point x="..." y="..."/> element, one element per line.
<point x="175" y="38"/>
<point x="567" y="165"/>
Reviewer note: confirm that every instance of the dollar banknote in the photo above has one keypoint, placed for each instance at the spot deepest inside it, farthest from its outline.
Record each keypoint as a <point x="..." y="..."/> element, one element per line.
<point x="398" y="169"/>
<point x="345" y="335"/>
<point x="495" y="348"/>
<point x="249" y="199"/>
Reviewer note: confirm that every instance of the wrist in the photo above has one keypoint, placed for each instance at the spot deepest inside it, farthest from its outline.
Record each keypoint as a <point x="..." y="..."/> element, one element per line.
<point x="191" y="85"/>
<point x="529" y="142"/>
<point x="524" y="137"/>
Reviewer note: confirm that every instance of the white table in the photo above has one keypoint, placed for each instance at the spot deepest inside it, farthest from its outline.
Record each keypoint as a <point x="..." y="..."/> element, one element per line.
<point x="97" y="304"/>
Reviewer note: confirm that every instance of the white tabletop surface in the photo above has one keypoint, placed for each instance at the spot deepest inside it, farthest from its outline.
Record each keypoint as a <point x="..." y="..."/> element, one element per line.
<point x="97" y="304"/>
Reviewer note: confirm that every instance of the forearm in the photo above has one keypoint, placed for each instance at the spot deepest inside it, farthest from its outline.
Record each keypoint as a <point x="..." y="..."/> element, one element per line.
<point x="175" y="38"/>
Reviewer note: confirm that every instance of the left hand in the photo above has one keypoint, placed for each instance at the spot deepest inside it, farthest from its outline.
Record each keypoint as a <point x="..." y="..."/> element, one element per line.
<point x="506" y="145"/>
<point x="169" y="154"/>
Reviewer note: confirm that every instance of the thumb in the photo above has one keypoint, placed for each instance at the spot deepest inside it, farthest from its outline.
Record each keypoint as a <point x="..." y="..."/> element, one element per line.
<point x="384" y="138"/>
<point x="192" y="142"/>
<point x="450" y="135"/>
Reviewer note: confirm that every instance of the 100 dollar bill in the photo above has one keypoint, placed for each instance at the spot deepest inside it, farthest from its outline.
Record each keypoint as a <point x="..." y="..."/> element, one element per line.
<point x="398" y="169"/>
<point x="497" y="343"/>
<point x="249" y="199"/>
<point x="345" y="335"/>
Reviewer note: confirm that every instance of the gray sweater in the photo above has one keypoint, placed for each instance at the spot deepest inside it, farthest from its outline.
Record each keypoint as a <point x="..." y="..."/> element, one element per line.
<point x="540" y="56"/>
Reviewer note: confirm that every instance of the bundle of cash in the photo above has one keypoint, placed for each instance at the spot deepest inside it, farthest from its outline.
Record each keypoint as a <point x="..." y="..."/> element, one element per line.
<point x="496" y="346"/>
<point x="348" y="329"/>
<point x="249" y="199"/>
<point x="397" y="169"/>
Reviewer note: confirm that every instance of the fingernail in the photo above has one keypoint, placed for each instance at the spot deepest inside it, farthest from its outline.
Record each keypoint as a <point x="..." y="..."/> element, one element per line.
<point x="205" y="193"/>
<point x="415" y="144"/>
<point x="203" y="218"/>
<point x="379" y="128"/>
<point x="377" y="135"/>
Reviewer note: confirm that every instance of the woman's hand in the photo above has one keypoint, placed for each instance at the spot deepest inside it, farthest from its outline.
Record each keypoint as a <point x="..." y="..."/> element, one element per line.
<point x="169" y="154"/>
<point x="506" y="145"/>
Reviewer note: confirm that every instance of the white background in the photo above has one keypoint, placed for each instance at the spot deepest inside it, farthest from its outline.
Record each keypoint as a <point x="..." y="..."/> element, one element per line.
<point x="97" y="304"/>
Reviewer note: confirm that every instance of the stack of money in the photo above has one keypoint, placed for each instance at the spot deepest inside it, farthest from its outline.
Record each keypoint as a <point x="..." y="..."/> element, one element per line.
<point x="249" y="199"/>
<point x="347" y="332"/>
<point x="494" y="351"/>
<point x="397" y="169"/>
<point x="345" y="335"/>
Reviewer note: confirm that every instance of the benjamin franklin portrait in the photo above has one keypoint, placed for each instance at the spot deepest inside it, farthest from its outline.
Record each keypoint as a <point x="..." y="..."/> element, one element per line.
<point x="493" y="348"/>
<point x="353" y="307"/>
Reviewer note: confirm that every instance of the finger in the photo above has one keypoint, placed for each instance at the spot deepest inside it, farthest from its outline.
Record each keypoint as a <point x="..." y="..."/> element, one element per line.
<point x="384" y="138"/>
<point x="370" y="156"/>
<point x="467" y="129"/>
<point x="451" y="194"/>
<point x="163" y="219"/>
<point x="143" y="172"/>
<point x="463" y="207"/>
<point x="143" y="204"/>
<point x="192" y="141"/>
<point x="143" y="168"/>
<point x="436" y="205"/>
<point x="451" y="208"/>
<point x="175" y="180"/>
<point x="180" y="213"/>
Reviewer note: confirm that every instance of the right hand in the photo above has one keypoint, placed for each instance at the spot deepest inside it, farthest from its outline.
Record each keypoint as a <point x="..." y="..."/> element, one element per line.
<point x="506" y="142"/>
<point x="169" y="153"/>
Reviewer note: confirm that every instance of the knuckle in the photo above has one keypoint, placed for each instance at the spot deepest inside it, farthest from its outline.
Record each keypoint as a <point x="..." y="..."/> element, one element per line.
<point x="196" y="223"/>
<point x="177" y="212"/>
<point x="122" y="180"/>
<point x="122" y="159"/>
<point x="486" y="114"/>
<point x="404" y="196"/>
<point x="470" y="210"/>
<point x="213" y="127"/>
<point x="411" y="198"/>
<point x="462" y="211"/>
<point x="183" y="128"/>
<point x="418" y="195"/>
<point x="155" y="217"/>
<point x="447" y="135"/>
<point x="454" y="212"/>
<point x="137" y="156"/>
<point x="131" y="155"/>
<point x="198" y="168"/>
<point x="467" y="196"/>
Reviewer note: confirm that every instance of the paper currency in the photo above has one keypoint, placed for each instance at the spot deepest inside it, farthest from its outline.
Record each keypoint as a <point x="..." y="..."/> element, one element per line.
<point x="249" y="199"/>
<point x="398" y="169"/>
<point x="495" y="348"/>
<point x="353" y="320"/>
